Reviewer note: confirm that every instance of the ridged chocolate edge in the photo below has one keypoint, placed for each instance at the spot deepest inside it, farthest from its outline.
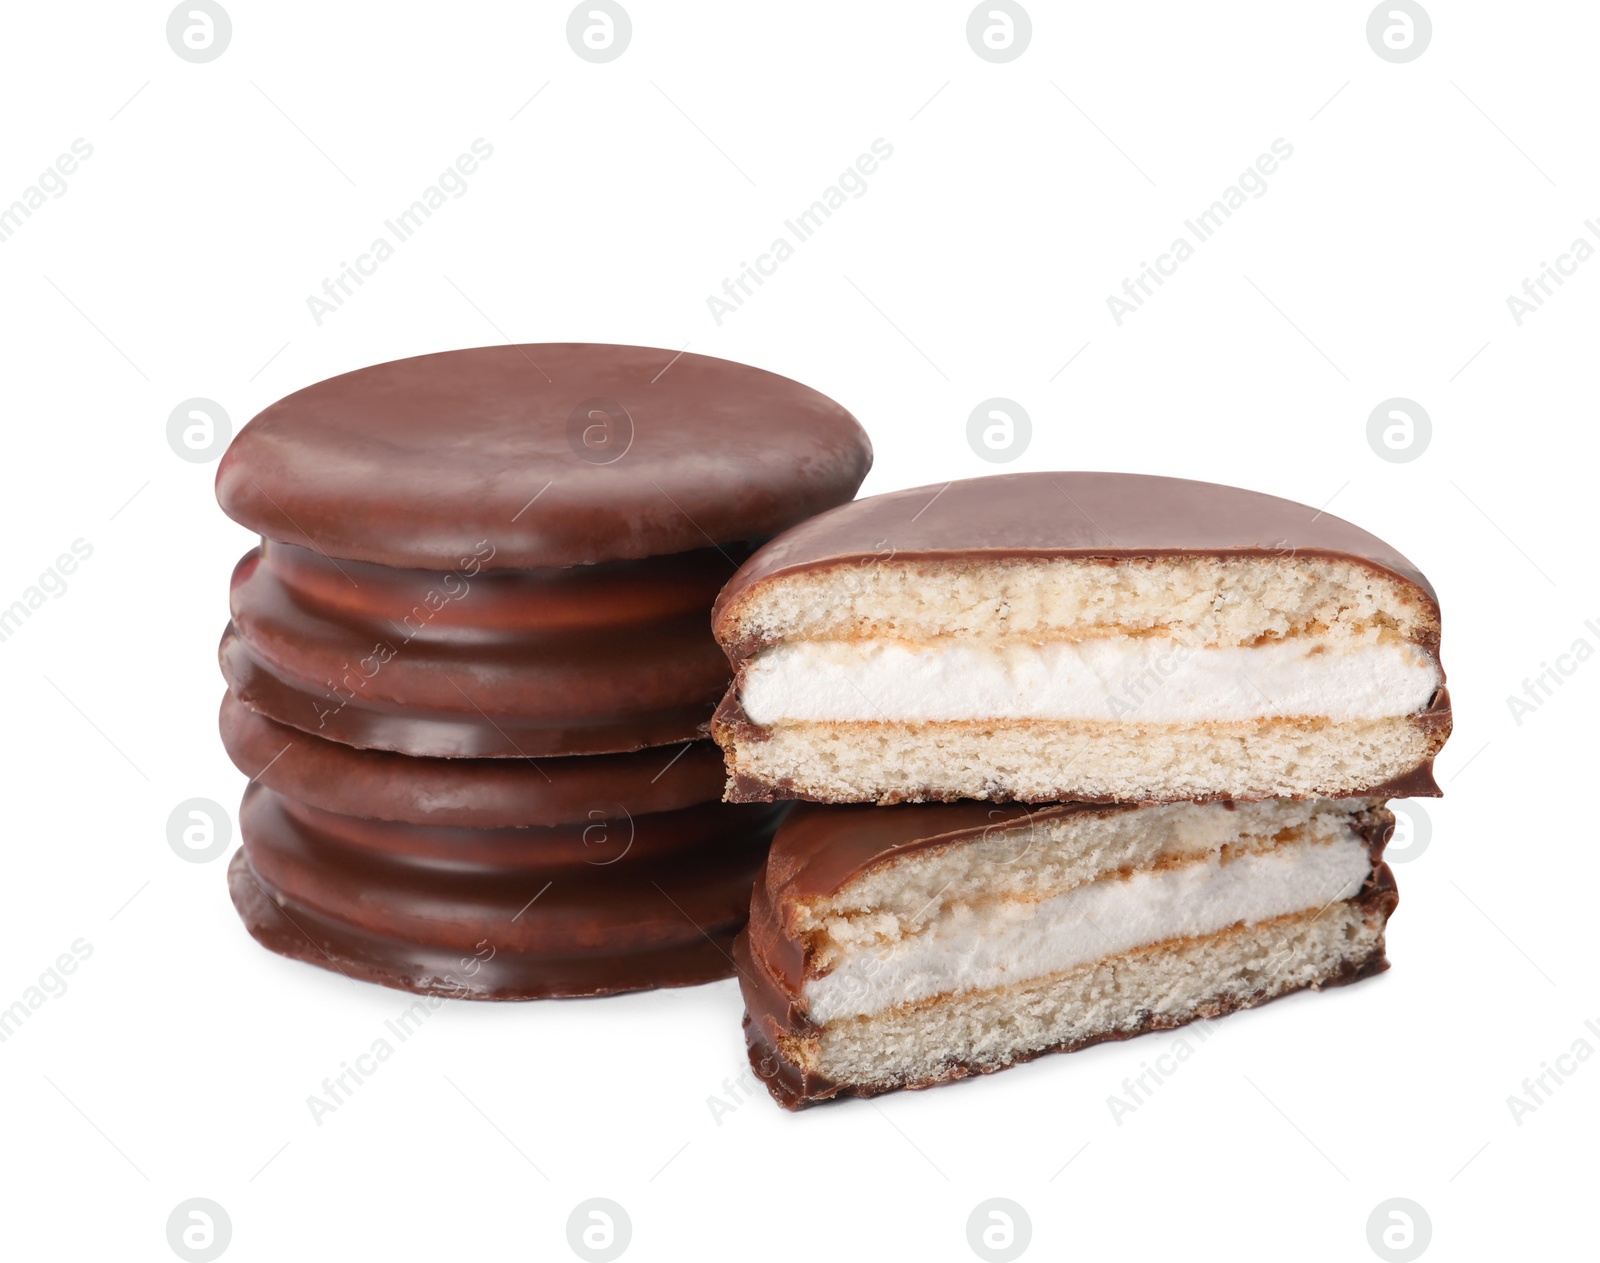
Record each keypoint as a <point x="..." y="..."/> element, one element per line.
<point x="297" y="932"/>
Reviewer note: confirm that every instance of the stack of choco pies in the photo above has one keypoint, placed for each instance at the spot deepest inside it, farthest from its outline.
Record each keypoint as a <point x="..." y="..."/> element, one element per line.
<point x="470" y="665"/>
<point x="1082" y="756"/>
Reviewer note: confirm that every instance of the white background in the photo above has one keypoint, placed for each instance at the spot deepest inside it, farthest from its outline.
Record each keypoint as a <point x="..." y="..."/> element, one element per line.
<point x="1377" y="264"/>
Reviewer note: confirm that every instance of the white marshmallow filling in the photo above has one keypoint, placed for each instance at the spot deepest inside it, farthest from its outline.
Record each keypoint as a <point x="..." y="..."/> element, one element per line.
<point x="1147" y="679"/>
<point x="976" y="946"/>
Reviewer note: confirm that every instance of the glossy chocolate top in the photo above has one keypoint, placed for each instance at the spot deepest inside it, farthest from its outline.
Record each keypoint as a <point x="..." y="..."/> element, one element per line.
<point x="557" y="454"/>
<point x="1074" y="515"/>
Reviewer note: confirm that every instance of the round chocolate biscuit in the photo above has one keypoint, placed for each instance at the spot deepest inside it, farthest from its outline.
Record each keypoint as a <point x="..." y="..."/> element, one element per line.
<point x="343" y="715"/>
<point x="501" y="914"/>
<point x="479" y="793"/>
<point x="551" y="454"/>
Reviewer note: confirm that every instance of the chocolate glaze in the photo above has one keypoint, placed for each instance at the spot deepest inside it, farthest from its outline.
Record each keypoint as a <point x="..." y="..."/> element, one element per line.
<point x="481" y="793"/>
<point x="500" y="913"/>
<point x="819" y="849"/>
<point x="414" y="462"/>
